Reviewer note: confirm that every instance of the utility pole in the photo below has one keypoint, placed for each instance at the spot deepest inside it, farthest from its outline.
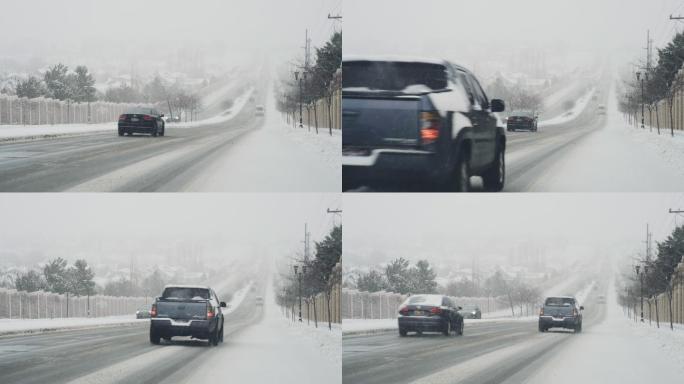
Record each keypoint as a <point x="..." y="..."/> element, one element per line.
<point x="307" y="236"/>
<point x="336" y="212"/>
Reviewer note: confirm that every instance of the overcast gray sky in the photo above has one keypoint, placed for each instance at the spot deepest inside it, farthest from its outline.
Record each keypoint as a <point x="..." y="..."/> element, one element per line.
<point x="456" y="28"/>
<point x="50" y="225"/>
<point x="455" y="228"/>
<point x="42" y="27"/>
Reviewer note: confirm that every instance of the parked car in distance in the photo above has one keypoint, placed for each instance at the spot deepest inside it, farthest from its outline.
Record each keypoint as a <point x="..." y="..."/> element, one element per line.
<point x="143" y="312"/>
<point x="259" y="110"/>
<point x="141" y="120"/>
<point x="418" y="120"/>
<point x="522" y="120"/>
<point x="470" y="311"/>
<point x="601" y="109"/>
<point x="560" y="312"/>
<point x="429" y="313"/>
<point x="259" y="300"/>
<point x="187" y="310"/>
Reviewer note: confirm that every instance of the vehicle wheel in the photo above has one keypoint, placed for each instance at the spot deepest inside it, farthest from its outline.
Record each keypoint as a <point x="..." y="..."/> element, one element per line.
<point x="460" y="329"/>
<point x="221" y="335"/>
<point x="167" y="338"/>
<point x="121" y="132"/>
<point x="214" y="338"/>
<point x="578" y="328"/>
<point x="447" y="329"/>
<point x="495" y="177"/>
<point x="460" y="178"/>
<point x="155" y="131"/>
<point x="154" y="337"/>
<point x="419" y="333"/>
<point x="163" y="130"/>
<point x="402" y="332"/>
<point x="541" y="328"/>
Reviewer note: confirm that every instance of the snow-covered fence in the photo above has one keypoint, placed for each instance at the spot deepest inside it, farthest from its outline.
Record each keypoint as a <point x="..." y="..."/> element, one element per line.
<point x="384" y="305"/>
<point x="663" y="311"/>
<point x="47" y="305"/>
<point x="41" y="111"/>
<point x="318" y="112"/>
<point x="321" y="313"/>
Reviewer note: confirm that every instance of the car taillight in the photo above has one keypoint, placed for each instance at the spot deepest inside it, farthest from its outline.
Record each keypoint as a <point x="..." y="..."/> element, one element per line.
<point x="153" y="311"/>
<point x="404" y="310"/>
<point x="122" y="117"/>
<point x="574" y="311"/>
<point x="429" y="127"/>
<point x="541" y="312"/>
<point x="210" y="312"/>
<point x="147" y="118"/>
<point x="436" y="310"/>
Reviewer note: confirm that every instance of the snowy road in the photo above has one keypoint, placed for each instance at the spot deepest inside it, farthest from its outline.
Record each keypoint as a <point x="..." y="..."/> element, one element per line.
<point x="246" y="153"/>
<point x="488" y="352"/>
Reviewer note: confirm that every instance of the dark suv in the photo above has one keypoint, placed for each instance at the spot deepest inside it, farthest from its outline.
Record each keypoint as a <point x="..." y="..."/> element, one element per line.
<point x="430" y="313"/>
<point x="419" y="121"/>
<point x="184" y="310"/>
<point x="561" y="312"/>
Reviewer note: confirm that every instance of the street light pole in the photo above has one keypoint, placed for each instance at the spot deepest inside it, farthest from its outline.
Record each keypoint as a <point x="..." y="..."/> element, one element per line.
<point x="638" y="76"/>
<point x="641" y="289"/>
<point x="299" y="275"/>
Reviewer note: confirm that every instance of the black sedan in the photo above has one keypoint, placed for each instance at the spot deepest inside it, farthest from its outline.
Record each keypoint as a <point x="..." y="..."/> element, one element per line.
<point x="141" y="120"/>
<point x="470" y="311"/>
<point x="430" y="313"/>
<point x="522" y="120"/>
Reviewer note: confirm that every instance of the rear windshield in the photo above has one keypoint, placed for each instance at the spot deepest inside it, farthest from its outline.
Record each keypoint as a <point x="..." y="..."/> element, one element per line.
<point x="434" y="300"/>
<point x="185" y="293"/>
<point x="559" y="301"/>
<point x="139" y="111"/>
<point x="393" y="76"/>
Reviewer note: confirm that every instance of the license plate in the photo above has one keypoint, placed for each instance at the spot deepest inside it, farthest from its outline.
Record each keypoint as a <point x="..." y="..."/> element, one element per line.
<point x="418" y="313"/>
<point x="135" y="119"/>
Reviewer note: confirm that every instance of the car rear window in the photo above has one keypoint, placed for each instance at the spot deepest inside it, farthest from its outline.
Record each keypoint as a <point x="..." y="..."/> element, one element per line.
<point x="434" y="300"/>
<point x="393" y="76"/>
<point x="139" y="111"/>
<point x="185" y="293"/>
<point x="559" y="301"/>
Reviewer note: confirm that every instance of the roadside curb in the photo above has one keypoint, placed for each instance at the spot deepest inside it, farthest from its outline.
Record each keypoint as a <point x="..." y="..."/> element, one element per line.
<point x="48" y="136"/>
<point x="37" y="331"/>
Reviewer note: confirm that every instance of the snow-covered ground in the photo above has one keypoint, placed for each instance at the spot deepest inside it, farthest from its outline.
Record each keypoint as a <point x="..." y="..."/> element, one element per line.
<point x="12" y="326"/>
<point x="223" y="117"/>
<point x="617" y="158"/>
<point x="617" y="351"/>
<point x="28" y="132"/>
<point x="238" y="298"/>
<point x="277" y="351"/>
<point x="580" y="106"/>
<point x="277" y="158"/>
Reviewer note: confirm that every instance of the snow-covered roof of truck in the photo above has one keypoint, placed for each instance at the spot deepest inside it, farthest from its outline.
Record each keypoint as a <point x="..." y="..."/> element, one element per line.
<point x="400" y="59"/>
<point x="185" y="286"/>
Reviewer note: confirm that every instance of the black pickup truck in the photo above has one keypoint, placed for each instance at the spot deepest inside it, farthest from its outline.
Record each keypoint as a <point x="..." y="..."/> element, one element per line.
<point x="560" y="312"/>
<point x="419" y="121"/>
<point x="184" y="310"/>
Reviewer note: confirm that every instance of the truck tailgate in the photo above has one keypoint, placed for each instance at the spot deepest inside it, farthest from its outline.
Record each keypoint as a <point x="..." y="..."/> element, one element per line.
<point x="385" y="122"/>
<point x="182" y="310"/>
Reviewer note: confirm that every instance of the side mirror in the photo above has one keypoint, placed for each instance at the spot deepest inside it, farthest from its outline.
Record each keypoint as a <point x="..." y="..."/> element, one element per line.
<point x="581" y="308"/>
<point x="497" y="105"/>
<point x="459" y="308"/>
<point x="162" y="115"/>
<point x="223" y="304"/>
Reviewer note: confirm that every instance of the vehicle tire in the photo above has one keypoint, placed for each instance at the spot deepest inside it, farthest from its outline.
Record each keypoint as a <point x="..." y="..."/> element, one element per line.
<point x="460" y="177"/>
<point x="419" y="333"/>
<point x="447" y="328"/>
<point x="163" y="130"/>
<point x="129" y="133"/>
<point x="168" y="338"/>
<point x="121" y="132"/>
<point x="155" y="131"/>
<point x="154" y="337"/>
<point x="495" y="178"/>
<point x="402" y="332"/>
<point x="214" y="337"/>
<point x="221" y="334"/>
<point x="460" y="329"/>
<point x="541" y="328"/>
<point x="578" y="328"/>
